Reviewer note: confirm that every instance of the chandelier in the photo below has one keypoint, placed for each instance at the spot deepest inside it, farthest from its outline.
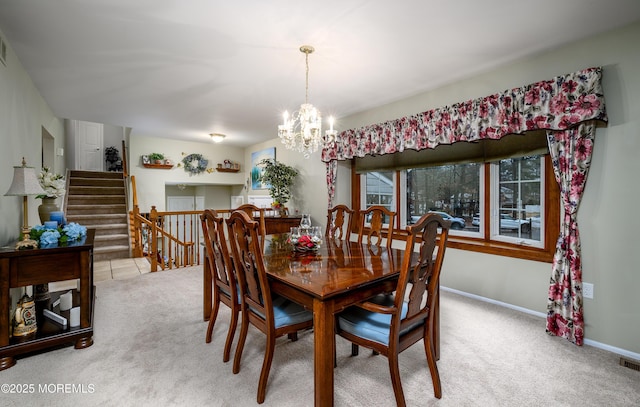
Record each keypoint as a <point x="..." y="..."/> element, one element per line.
<point x="302" y="131"/>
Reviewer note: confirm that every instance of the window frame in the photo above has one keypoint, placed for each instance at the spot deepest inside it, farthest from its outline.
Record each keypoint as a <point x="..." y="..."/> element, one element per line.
<point x="484" y="243"/>
<point x="496" y="209"/>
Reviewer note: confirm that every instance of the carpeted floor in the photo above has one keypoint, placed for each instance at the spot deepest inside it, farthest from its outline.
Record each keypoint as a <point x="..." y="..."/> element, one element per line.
<point x="149" y="350"/>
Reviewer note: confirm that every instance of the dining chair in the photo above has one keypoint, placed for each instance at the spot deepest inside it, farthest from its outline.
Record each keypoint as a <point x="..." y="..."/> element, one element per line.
<point x="376" y="216"/>
<point x="389" y="324"/>
<point x="225" y="287"/>
<point x="274" y="316"/>
<point x="336" y="226"/>
<point x="255" y="212"/>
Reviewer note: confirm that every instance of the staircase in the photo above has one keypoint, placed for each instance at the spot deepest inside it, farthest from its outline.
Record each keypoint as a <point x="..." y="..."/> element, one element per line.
<point x="97" y="200"/>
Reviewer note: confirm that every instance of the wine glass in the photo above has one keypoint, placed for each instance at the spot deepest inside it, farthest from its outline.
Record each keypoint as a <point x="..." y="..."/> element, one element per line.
<point x="305" y="224"/>
<point x="294" y="234"/>
<point x="316" y="234"/>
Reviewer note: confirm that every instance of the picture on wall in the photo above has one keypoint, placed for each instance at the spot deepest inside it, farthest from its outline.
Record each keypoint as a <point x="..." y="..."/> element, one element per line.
<point x="256" y="170"/>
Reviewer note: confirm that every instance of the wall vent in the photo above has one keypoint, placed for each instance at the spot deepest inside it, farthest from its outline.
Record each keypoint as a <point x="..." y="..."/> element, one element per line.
<point x="3" y="52"/>
<point x="631" y="364"/>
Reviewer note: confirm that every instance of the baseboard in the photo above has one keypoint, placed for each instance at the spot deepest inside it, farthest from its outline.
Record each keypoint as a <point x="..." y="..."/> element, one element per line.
<point x="595" y="344"/>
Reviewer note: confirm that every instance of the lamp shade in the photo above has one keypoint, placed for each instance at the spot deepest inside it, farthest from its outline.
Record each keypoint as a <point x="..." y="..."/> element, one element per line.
<point x="25" y="181"/>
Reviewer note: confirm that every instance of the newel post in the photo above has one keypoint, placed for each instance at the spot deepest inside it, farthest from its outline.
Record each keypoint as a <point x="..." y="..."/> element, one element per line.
<point x="137" y="235"/>
<point x="153" y="250"/>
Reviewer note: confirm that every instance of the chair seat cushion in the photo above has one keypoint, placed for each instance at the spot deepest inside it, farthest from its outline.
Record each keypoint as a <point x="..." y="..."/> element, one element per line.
<point x="225" y="291"/>
<point x="287" y="312"/>
<point x="371" y="325"/>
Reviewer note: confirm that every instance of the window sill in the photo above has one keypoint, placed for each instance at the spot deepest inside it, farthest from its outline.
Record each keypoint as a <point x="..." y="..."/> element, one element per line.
<point x="502" y="249"/>
<point x="494" y="247"/>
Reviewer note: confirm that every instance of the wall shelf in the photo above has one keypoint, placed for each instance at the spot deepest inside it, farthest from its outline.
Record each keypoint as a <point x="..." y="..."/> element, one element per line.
<point x="228" y="169"/>
<point x="162" y="166"/>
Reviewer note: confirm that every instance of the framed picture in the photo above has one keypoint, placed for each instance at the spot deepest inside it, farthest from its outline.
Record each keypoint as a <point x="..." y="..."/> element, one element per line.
<point x="145" y="159"/>
<point x="256" y="170"/>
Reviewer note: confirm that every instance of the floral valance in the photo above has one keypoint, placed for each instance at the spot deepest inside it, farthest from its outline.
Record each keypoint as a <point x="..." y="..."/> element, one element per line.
<point x="556" y="104"/>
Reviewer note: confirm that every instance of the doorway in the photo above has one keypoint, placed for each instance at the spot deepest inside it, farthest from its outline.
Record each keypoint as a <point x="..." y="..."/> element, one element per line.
<point x="48" y="150"/>
<point x="89" y="147"/>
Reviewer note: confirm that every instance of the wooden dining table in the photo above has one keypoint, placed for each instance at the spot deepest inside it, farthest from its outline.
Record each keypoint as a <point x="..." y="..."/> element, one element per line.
<point x="339" y="274"/>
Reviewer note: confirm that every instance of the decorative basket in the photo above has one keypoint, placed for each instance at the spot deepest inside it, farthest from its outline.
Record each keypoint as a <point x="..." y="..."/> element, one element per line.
<point x="305" y="249"/>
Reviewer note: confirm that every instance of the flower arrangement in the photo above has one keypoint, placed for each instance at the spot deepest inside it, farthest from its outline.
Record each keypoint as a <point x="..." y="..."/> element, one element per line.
<point x="53" y="184"/>
<point x="57" y="237"/>
<point x="305" y="243"/>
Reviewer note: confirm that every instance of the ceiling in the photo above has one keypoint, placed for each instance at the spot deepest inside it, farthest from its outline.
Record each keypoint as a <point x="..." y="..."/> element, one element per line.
<point x="186" y="68"/>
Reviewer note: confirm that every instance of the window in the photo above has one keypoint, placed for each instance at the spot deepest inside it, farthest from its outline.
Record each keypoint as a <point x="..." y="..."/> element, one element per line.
<point x="518" y="197"/>
<point x="508" y="207"/>
<point x="452" y="190"/>
<point x="379" y="190"/>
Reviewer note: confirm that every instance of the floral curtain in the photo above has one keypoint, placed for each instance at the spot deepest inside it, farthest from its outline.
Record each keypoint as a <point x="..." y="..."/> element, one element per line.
<point x="558" y="105"/>
<point x="332" y="175"/>
<point x="571" y="152"/>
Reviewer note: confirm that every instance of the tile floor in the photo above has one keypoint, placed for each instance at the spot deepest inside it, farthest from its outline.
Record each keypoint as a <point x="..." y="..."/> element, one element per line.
<point x="119" y="269"/>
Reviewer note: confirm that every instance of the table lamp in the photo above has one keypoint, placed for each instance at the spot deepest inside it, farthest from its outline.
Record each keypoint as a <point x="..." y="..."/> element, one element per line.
<point x="25" y="183"/>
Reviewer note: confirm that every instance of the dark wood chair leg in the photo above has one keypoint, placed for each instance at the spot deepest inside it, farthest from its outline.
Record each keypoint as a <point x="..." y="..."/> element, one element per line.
<point x="293" y="336"/>
<point x="232" y="331"/>
<point x="212" y="319"/>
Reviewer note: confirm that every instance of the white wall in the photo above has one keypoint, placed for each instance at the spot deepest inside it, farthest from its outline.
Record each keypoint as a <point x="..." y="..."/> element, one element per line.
<point x="309" y="191"/>
<point x="151" y="182"/>
<point x="608" y="217"/>
<point x="23" y="114"/>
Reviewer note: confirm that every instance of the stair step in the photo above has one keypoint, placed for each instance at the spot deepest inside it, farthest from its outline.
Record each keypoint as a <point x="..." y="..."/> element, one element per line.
<point x="97" y="182"/>
<point x="109" y="229"/>
<point x="87" y="220"/>
<point x="112" y="236"/>
<point x="91" y="190"/>
<point x="94" y="174"/>
<point x="111" y="240"/>
<point x="96" y="199"/>
<point x="111" y="252"/>
<point x="96" y="209"/>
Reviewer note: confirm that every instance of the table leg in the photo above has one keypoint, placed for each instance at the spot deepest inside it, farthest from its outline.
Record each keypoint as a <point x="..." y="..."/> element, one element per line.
<point x="207" y="289"/>
<point x="324" y="349"/>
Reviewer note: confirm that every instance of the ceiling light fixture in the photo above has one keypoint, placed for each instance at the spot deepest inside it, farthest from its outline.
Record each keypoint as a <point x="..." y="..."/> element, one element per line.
<point x="217" y="137"/>
<point x="303" y="130"/>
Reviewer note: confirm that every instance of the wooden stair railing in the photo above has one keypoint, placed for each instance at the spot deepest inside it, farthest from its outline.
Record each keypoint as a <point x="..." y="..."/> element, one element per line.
<point x="165" y="240"/>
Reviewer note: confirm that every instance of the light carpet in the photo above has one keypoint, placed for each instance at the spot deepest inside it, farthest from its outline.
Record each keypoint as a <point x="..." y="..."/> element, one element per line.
<point x="150" y="350"/>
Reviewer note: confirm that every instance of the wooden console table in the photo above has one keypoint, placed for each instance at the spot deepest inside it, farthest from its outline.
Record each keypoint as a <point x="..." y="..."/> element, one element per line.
<point x="275" y="225"/>
<point x="19" y="268"/>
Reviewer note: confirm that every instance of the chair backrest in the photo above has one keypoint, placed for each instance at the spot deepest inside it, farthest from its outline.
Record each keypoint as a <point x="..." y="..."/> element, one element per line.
<point x="244" y="239"/>
<point x="255" y="212"/>
<point x="337" y="228"/>
<point x="421" y="275"/>
<point x="375" y="216"/>
<point x="217" y="251"/>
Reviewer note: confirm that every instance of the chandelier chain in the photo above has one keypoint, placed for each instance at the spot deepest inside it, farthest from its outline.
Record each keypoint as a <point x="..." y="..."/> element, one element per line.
<point x="306" y="87"/>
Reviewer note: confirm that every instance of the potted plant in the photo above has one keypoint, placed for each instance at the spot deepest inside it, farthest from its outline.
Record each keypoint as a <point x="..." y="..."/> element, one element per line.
<point x="280" y="178"/>
<point x="156" y="158"/>
<point x="112" y="155"/>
